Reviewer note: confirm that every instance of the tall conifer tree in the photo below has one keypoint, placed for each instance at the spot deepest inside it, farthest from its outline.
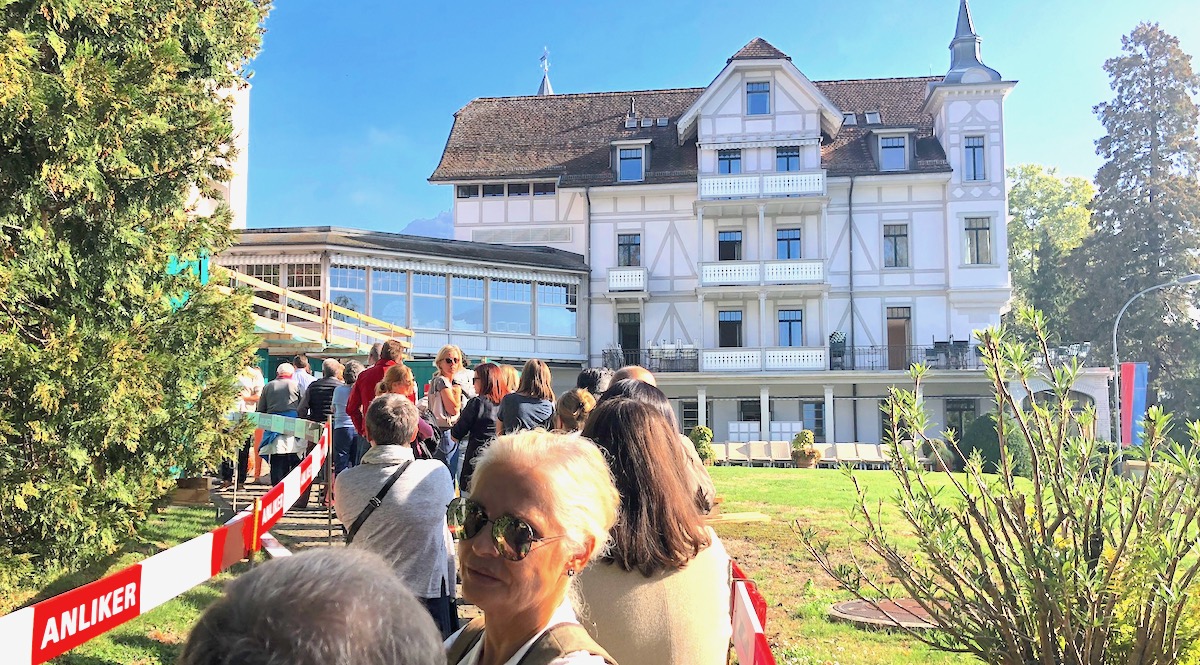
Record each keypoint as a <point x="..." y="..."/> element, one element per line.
<point x="112" y="118"/>
<point x="1146" y="217"/>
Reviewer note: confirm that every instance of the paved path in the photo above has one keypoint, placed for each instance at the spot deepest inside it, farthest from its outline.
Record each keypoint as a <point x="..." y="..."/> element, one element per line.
<point x="299" y="528"/>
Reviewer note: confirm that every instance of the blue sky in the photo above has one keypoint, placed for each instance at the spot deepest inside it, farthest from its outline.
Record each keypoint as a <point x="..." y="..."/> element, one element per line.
<point x="352" y="102"/>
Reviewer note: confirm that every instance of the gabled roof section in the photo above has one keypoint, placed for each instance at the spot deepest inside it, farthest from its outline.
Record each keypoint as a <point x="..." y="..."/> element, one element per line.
<point x="760" y="53"/>
<point x="758" y="49"/>
<point x="420" y="246"/>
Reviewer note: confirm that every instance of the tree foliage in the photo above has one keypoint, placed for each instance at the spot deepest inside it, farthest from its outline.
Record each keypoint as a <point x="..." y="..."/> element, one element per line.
<point x="1146" y="217"/>
<point x="112" y="120"/>
<point x="1076" y="566"/>
<point x="1048" y="219"/>
<point x="983" y="436"/>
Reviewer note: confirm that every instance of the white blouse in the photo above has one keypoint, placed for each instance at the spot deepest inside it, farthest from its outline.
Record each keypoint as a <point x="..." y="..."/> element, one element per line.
<point x="564" y="614"/>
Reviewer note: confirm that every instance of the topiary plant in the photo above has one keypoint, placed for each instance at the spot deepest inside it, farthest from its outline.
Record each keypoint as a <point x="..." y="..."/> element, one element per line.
<point x="702" y="437"/>
<point x="981" y="436"/>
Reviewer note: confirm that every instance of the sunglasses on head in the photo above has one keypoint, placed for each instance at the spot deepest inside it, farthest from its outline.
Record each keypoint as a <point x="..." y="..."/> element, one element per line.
<point x="513" y="537"/>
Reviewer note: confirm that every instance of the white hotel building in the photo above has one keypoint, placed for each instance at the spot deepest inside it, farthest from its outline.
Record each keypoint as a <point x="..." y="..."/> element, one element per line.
<point x="778" y="250"/>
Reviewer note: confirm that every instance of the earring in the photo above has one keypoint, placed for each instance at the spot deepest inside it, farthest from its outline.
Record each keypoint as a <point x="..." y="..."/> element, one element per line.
<point x="570" y="572"/>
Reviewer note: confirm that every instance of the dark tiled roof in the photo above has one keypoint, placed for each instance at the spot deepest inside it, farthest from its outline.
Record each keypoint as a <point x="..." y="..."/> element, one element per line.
<point x="570" y="136"/>
<point x="758" y="48"/>
<point x="435" y="248"/>
<point x="899" y="102"/>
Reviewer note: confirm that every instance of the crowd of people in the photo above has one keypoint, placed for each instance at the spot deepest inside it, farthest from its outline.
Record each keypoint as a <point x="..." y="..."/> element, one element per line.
<point x="579" y="518"/>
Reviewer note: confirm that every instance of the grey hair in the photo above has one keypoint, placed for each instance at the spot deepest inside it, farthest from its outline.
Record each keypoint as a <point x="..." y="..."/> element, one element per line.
<point x="323" y="606"/>
<point x="392" y="420"/>
<point x="351" y="371"/>
<point x="376" y="349"/>
<point x="585" y="497"/>
<point x="331" y="367"/>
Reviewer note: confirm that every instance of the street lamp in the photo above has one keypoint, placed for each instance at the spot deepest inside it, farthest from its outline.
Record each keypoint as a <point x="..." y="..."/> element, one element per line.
<point x="1187" y="279"/>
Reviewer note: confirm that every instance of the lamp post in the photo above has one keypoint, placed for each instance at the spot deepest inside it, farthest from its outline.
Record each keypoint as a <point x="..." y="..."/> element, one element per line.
<point x="1187" y="279"/>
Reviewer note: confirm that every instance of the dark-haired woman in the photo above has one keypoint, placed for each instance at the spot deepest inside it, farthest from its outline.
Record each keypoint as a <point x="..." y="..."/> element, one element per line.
<point x="477" y="421"/>
<point x="661" y="594"/>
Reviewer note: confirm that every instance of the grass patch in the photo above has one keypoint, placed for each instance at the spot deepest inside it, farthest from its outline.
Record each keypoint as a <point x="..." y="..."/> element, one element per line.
<point x="797" y="591"/>
<point x="153" y="638"/>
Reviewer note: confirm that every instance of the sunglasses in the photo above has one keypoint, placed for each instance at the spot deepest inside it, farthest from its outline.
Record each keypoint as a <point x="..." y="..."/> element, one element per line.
<point x="452" y="361"/>
<point x="513" y="537"/>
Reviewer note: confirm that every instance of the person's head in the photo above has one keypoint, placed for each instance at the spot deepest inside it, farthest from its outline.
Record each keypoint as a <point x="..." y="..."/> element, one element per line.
<point x="661" y="527"/>
<point x="351" y="370"/>
<point x="373" y="355"/>
<point x="536" y="380"/>
<point x="552" y="500"/>
<point x="331" y="369"/>
<point x="398" y="379"/>
<point x="449" y="360"/>
<point x="512" y="378"/>
<point x="285" y="371"/>
<point x="595" y="380"/>
<point x="572" y="409"/>
<point x="391" y="420"/>
<point x="279" y="612"/>
<point x="392" y="350"/>
<point x="489" y="382"/>
<point x="634" y="372"/>
<point x="643" y="392"/>
<point x="300" y="360"/>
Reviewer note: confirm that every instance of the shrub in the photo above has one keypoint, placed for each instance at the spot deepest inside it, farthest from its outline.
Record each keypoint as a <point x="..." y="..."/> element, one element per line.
<point x="981" y="436"/>
<point x="1076" y="566"/>
<point x="804" y="440"/>
<point x="702" y="437"/>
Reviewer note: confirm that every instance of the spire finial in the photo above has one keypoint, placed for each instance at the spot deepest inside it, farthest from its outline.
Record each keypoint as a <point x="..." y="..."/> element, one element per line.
<point x="965" y="63"/>
<point x="545" y="88"/>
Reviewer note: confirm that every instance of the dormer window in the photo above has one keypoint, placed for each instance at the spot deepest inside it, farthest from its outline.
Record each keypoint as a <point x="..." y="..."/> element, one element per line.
<point x="758" y="98"/>
<point x="849" y="118"/>
<point x="893" y="153"/>
<point x="630" y="164"/>
<point x="873" y="118"/>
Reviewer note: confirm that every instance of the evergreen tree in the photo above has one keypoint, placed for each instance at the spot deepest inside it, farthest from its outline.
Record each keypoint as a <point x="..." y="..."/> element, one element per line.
<point x="1048" y="219"/>
<point x="1146" y="217"/>
<point x="112" y="119"/>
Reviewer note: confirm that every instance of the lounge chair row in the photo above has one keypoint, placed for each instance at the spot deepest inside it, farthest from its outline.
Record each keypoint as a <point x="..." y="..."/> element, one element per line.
<point x="779" y="454"/>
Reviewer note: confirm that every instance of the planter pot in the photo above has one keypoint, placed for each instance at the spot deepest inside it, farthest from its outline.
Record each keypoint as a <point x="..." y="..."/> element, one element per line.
<point x="803" y="460"/>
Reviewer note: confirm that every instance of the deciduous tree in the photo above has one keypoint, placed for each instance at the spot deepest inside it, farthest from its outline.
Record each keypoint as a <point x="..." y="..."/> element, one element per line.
<point x="112" y="120"/>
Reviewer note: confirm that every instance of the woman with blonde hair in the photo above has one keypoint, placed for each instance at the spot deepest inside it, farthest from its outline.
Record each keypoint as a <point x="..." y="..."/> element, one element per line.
<point x="541" y="508"/>
<point x="532" y="405"/>
<point x="573" y="408"/>
<point x="447" y="395"/>
<point x="398" y="379"/>
<point x="512" y="378"/>
<point x="661" y="594"/>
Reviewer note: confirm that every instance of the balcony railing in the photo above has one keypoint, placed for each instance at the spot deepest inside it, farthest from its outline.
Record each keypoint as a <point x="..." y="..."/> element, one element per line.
<point x="783" y="271"/>
<point x="808" y="183"/>
<point x="627" y="279"/>
<point x="949" y="355"/>
<point x="688" y="359"/>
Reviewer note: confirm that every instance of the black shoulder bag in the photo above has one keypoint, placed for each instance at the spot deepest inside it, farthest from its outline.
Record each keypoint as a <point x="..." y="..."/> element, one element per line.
<point x="374" y="503"/>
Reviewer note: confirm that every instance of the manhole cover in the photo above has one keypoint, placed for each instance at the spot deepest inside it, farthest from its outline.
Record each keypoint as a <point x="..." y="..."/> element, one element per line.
<point x="905" y="613"/>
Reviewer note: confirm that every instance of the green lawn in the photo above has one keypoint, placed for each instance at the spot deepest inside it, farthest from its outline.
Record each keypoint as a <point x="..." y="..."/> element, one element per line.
<point x="156" y="637"/>
<point x="797" y="591"/>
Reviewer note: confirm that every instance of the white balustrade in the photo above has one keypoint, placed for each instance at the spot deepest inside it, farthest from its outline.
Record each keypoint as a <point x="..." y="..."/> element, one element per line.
<point x="722" y="360"/>
<point x="798" y="358"/>
<point x="729" y="272"/>
<point x="794" y="271"/>
<point x="627" y="279"/>
<point x="808" y="183"/>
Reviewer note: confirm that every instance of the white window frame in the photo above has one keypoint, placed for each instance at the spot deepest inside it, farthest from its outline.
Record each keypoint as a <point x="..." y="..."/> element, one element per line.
<point x="881" y="137"/>
<point x="966" y="240"/>
<point x="968" y="163"/>
<point x="770" y="104"/>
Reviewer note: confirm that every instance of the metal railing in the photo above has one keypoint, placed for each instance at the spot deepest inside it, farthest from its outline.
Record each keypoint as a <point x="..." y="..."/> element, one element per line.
<point x="951" y="355"/>
<point x="655" y="360"/>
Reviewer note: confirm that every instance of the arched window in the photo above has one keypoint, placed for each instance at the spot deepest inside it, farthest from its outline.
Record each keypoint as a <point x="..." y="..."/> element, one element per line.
<point x="1046" y="398"/>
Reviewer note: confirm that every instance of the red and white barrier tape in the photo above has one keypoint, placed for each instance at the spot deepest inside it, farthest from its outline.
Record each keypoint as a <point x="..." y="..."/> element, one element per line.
<point x="749" y="615"/>
<point x="37" y="633"/>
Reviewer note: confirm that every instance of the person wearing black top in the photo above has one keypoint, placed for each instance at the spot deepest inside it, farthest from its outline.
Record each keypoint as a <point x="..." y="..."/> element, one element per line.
<point x="477" y="422"/>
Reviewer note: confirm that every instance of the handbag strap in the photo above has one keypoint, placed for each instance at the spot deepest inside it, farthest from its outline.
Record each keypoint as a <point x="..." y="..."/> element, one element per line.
<point x="375" y="502"/>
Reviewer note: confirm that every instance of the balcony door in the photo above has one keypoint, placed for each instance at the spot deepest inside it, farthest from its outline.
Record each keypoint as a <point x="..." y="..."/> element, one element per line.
<point x="899" y="336"/>
<point x="629" y="336"/>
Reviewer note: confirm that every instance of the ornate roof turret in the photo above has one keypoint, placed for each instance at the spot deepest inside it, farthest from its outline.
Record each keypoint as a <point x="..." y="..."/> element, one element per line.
<point x="965" y="65"/>
<point x="545" y="88"/>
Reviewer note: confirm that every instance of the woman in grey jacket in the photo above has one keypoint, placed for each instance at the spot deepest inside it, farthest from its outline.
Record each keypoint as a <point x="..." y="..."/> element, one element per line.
<point x="408" y="528"/>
